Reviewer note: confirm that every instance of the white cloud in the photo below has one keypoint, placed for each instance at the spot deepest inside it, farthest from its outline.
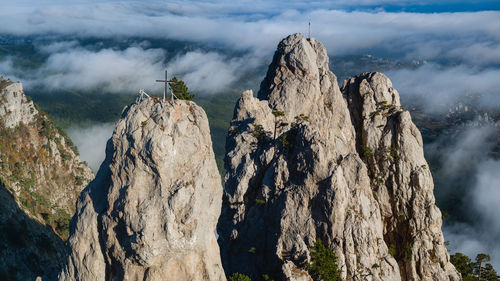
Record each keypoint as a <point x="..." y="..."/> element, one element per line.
<point x="108" y="70"/>
<point x="70" y="66"/>
<point x="58" y="46"/>
<point x="486" y="196"/>
<point x="438" y="86"/>
<point x="91" y="142"/>
<point x="208" y="72"/>
<point x="471" y="37"/>
<point x="468" y="171"/>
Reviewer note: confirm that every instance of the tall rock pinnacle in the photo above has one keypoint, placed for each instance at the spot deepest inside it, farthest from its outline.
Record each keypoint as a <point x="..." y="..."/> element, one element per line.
<point x="151" y="212"/>
<point x="296" y="172"/>
<point x="392" y="148"/>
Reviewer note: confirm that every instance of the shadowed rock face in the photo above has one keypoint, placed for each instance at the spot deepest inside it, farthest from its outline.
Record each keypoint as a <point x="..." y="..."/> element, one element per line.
<point x="296" y="172"/>
<point x="28" y="249"/>
<point x="151" y="212"/>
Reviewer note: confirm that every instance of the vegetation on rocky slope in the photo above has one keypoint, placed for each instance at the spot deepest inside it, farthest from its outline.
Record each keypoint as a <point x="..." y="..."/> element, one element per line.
<point x="19" y="163"/>
<point x="38" y="166"/>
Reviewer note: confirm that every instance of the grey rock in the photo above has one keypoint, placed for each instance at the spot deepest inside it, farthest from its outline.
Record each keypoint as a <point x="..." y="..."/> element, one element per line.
<point x="15" y="107"/>
<point x="294" y="178"/>
<point x="46" y="156"/>
<point x="151" y="212"/>
<point x="401" y="180"/>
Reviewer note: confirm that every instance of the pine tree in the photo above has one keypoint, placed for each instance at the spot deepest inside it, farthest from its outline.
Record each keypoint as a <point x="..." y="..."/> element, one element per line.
<point x="324" y="263"/>
<point x="180" y="90"/>
<point x="474" y="271"/>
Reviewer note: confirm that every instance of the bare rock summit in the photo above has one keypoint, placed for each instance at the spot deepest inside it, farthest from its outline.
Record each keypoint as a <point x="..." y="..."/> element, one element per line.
<point x="152" y="210"/>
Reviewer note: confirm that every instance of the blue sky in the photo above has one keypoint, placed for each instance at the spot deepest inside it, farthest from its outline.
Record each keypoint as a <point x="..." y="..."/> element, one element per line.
<point x="435" y="6"/>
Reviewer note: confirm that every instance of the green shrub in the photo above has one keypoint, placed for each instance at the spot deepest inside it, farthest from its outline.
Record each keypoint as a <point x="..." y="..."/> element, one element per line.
<point x="367" y="151"/>
<point x="284" y="140"/>
<point x="238" y="277"/>
<point x="478" y="270"/>
<point x="393" y="155"/>
<point x="323" y="263"/>
<point x="258" y="132"/>
<point x="260" y="201"/>
<point x="392" y="249"/>
<point x="78" y="180"/>
<point x="266" y="277"/>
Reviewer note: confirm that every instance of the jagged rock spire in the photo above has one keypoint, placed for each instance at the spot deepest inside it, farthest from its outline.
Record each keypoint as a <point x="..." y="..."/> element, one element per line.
<point x="392" y="149"/>
<point x="151" y="212"/>
<point x="294" y="178"/>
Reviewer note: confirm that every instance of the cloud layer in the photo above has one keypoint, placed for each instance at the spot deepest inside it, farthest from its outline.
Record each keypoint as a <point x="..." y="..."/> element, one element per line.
<point x="470" y="37"/>
<point x="469" y="172"/>
<point x="109" y="70"/>
<point x="438" y="87"/>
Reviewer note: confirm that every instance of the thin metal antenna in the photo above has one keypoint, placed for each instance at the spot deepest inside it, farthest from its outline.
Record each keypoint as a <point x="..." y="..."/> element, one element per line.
<point x="309" y="34"/>
<point x="165" y="88"/>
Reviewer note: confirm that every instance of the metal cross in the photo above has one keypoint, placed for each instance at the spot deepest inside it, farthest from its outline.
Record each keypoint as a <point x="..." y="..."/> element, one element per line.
<point x="166" y="81"/>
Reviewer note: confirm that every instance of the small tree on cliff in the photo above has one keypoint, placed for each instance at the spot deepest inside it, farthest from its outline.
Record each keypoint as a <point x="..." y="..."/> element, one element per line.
<point x="479" y="270"/>
<point x="180" y="90"/>
<point x="323" y="263"/>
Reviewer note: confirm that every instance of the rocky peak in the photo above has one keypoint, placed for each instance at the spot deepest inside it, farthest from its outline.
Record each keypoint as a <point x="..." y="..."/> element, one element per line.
<point x="391" y="147"/>
<point x="15" y="107"/>
<point x="151" y="212"/>
<point x="40" y="164"/>
<point x="298" y="80"/>
<point x="303" y="174"/>
<point x="40" y="179"/>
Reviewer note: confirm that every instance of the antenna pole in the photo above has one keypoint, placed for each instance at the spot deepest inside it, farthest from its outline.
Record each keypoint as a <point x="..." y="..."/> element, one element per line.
<point x="309" y="34"/>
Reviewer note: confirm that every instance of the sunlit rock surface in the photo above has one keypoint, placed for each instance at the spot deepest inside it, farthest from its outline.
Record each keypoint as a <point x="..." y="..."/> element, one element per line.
<point x="152" y="210"/>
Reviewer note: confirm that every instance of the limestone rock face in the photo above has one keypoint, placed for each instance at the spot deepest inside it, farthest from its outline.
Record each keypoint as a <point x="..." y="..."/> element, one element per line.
<point x="40" y="179"/>
<point x="392" y="148"/>
<point x="151" y="212"/>
<point x="36" y="156"/>
<point x="295" y="174"/>
<point x="15" y="106"/>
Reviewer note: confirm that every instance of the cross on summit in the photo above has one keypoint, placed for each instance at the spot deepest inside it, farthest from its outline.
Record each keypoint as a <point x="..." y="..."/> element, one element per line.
<point x="166" y="81"/>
